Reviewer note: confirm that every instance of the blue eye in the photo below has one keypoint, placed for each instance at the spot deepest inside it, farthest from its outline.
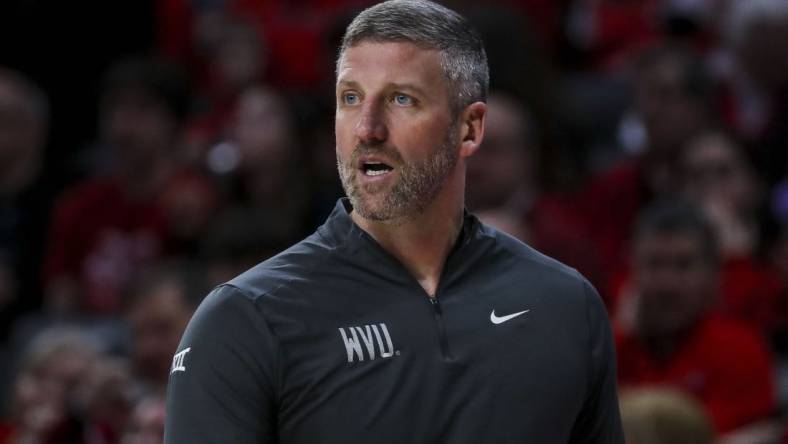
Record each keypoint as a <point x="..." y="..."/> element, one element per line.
<point x="350" y="98"/>
<point x="403" y="99"/>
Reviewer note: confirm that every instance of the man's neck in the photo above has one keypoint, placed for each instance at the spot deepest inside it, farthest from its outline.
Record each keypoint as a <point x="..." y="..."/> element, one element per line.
<point x="422" y="243"/>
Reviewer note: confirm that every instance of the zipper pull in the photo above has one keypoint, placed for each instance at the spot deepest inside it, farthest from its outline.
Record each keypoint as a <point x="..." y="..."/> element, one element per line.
<point x="436" y="304"/>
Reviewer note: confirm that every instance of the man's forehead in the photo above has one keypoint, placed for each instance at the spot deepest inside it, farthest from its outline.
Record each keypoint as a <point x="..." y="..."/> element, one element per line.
<point x="405" y="61"/>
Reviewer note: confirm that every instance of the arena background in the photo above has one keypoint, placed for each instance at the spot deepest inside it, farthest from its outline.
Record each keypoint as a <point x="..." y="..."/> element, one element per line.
<point x="152" y="149"/>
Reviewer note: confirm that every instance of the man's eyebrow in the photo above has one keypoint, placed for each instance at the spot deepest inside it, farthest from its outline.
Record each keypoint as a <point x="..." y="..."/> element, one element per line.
<point x="391" y="85"/>
<point x="406" y="87"/>
<point x="348" y="83"/>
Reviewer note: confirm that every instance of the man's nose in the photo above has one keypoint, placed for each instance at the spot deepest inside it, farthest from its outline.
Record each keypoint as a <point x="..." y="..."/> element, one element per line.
<point x="371" y="125"/>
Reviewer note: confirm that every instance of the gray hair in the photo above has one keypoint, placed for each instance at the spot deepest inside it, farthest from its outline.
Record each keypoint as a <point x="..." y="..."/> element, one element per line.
<point x="431" y="26"/>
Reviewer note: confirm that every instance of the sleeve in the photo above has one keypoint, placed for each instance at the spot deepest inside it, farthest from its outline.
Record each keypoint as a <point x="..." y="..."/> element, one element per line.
<point x="599" y="421"/>
<point x="223" y="378"/>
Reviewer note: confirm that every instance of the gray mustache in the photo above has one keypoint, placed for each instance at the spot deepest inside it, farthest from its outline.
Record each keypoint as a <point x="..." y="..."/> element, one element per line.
<point x="390" y="153"/>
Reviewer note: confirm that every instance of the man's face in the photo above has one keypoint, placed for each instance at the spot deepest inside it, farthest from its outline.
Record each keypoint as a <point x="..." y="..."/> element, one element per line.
<point x="396" y="137"/>
<point x="674" y="280"/>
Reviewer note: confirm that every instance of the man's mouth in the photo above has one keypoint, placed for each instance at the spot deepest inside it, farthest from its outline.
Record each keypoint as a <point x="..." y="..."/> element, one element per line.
<point x="375" y="168"/>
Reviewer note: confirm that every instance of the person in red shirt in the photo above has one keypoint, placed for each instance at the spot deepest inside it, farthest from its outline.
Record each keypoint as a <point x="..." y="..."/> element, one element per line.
<point x="671" y="104"/>
<point x="673" y="338"/>
<point x="720" y="178"/>
<point x="144" y="206"/>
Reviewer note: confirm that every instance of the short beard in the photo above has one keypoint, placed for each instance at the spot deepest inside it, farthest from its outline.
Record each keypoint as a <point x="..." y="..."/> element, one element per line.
<point x="417" y="186"/>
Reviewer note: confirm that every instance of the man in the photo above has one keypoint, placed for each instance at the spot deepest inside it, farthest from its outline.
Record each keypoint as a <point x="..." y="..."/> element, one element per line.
<point x="675" y="339"/>
<point x="401" y="319"/>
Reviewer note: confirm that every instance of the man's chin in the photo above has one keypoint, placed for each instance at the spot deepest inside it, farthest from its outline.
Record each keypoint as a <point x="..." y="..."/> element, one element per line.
<point x="377" y="209"/>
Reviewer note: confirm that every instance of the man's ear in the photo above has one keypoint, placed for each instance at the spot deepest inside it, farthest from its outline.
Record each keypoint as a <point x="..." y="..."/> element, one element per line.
<point x="472" y="128"/>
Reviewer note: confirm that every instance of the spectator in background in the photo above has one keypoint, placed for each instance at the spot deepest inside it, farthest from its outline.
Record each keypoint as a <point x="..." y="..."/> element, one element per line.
<point x="664" y="416"/>
<point x="105" y="399"/>
<point x="25" y="198"/>
<point x="672" y="104"/>
<point x="68" y="392"/>
<point x="756" y="99"/>
<point x="504" y="191"/>
<point x="262" y="161"/>
<point x="143" y="207"/>
<point x="756" y="32"/>
<point x="233" y="57"/>
<point x="777" y="253"/>
<point x="673" y="339"/>
<point x="319" y="148"/>
<point x="47" y="387"/>
<point x="234" y="244"/>
<point x="610" y="31"/>
<point x="502" y="185"/>
<point x="147" y="422"/>
<point x="161" y="303"/>
<point x="236" y="54"/>
<point x="778" y="258"/>
<point x="719" y="178"/>
<point x="292" y="32"/>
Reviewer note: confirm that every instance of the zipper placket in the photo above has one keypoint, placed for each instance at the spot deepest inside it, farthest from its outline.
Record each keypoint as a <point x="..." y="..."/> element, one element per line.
<point x="444" y="340"/>
<point x="436" y="305"/>
<point x="433" y="300"/>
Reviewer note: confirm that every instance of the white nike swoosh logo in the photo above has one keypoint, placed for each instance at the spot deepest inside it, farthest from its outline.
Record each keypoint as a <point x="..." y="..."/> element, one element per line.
<point x="498" y="320"/>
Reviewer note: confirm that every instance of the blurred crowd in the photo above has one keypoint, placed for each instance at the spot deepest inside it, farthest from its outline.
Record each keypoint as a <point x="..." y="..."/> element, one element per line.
<point x="643" y="142"/>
